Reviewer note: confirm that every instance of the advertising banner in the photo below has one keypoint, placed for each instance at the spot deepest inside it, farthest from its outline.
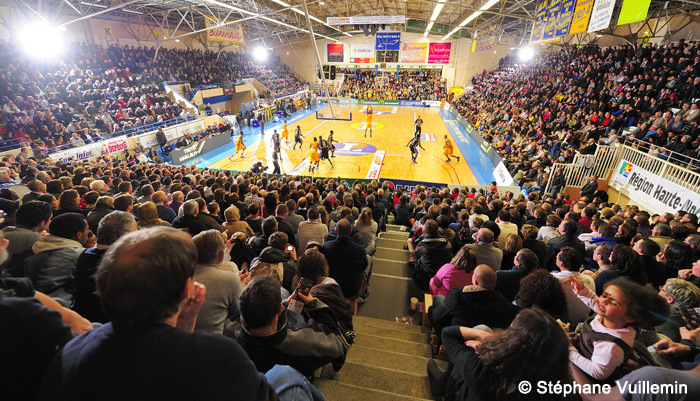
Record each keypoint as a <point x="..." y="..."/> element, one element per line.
<point x="601" y="15"/>
<point x="92" y="150"/>
<point x="196" y="149"/>
<point x="550" y="26"/>
<point x="582" y="14"/>
<point x="414" y="52"/>
<point x="651" y="192"/>
<point x="335" y="52"/>
<point x="376" y="167"/>
<point x="633" y="11"/>
<point x="439" y="53"/>
<point x="388" y="41"/>
<point x="232" y="33"/>
<point x="367" y="20"/>
<point x="148" y="140"/>
<point x="361" y="53"/>
<point x="565" y="15"/>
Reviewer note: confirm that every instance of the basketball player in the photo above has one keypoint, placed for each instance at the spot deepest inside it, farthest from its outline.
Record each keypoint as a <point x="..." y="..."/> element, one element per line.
<point x="313" y="156"/>
<point x="324" y="150"/>
<point x="275" y="142"/>
<point x="298" y="138"/>
<point x="419" y="125"/>
<point x="330" y="143"/>
<point x="285" y="133"/>
<point x="369" y="121"/>
<point x="239" y="145"/>
<point x="414" y="144"/>
<point x="276" y="163"/>
<point x="449" y="149"/>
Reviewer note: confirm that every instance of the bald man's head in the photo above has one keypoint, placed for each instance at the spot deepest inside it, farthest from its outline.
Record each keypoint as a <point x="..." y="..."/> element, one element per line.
<point x="485" y="277"/>
<point x="484" y="235"/>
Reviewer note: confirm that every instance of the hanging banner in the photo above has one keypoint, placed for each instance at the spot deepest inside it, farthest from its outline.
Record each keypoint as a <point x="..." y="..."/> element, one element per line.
<point x="335" y="52"/>
<point x="388" y="40"/>
<point x="582" y="14"/>
<point x="565" y="14"/>
<point x="439" y="53"/>
<point x="653" y="193"/>
<point x="414" y="53"/>
<point x="552" y="15"/>
<point x="232" y="33"/>
<point x="539" y="23"/>
<point x="92" y="150"/>
<point x="633" y="11"/>
<point x="487" y="39"/>
<point x="601" y="15"/>
<point x="361" y="53"/>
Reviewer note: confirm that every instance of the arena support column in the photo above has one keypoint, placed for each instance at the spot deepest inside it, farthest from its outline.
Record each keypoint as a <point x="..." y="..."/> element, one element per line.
<point x="319" y="66"/>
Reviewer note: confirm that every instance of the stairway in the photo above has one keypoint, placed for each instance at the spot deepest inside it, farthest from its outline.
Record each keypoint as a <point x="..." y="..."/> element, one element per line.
<point x="387" y="363"/>
<point x="388" y="360"/>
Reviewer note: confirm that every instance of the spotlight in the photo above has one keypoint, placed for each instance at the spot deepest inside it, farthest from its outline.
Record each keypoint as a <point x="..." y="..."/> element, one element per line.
<point x="526" y="53"/>
<point x="41" y="40"/>
<point x="260" y="53"/>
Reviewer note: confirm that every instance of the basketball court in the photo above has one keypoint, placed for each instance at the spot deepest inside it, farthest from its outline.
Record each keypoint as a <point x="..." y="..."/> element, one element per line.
<point x="385" y="154"/>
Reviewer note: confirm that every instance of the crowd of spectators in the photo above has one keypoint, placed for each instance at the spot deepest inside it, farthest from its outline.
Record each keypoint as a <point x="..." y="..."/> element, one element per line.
<point x="256" y="236"/>
<point x="546" y="110"/>
<point x="425" y="84"/>
<point x="92" y="91"/>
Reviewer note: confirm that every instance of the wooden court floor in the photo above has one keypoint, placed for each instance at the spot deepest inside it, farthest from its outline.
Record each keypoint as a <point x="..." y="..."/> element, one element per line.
<point x="393" y="128"/>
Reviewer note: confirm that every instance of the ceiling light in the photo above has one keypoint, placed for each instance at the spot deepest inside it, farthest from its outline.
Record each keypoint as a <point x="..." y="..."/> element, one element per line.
<point x="436" y="11"/>
<point x="132" y="11"/>
<point x="526" y="53"/>
<point x="430" y="26"/>
<point x="323" y="3"/>
<point x="260" y="53"/>
<point x="93" y="4"/>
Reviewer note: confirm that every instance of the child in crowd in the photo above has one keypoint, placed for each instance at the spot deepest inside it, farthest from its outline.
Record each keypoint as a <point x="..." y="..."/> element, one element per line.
<point x="605" y="341"/>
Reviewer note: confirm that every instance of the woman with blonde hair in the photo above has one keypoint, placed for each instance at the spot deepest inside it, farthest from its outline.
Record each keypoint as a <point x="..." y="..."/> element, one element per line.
<point x="513" y="244"/>
<point x="367" y="227"/>
<point x="147" y="215"/>
<point x="234" y="223"/>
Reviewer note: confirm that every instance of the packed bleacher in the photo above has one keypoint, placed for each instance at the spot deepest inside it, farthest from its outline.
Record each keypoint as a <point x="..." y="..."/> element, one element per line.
<point x="488" y="257"/>
<point x="408" y="85"/>
<point x="546" y="110"/>
<point x="93" y="91"/>
<point x="151" y="265"/>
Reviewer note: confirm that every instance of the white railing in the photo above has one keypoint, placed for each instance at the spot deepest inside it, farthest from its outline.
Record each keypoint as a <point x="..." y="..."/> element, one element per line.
<point x="606" y="158"/>
<point x="577" y="172"/>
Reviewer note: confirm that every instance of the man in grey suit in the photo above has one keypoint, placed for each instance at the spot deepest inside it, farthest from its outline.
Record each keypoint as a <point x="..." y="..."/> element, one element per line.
<point x="223" y="287"/>
<point x="486" y="253"/>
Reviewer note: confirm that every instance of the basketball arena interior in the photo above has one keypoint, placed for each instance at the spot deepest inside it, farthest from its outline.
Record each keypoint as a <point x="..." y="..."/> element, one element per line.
<point x="350" y="199"/>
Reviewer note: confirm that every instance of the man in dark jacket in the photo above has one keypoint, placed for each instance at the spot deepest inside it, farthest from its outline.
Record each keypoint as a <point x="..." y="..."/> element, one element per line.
<point x="273" y="335"/>
<point x="588" y="190"/>
<point x="160" y="138"/>
<point x="479" y="303"/>
<point x="567" y="237"/>
<point x="348" y="262"/>
<point x="188" y="221"/>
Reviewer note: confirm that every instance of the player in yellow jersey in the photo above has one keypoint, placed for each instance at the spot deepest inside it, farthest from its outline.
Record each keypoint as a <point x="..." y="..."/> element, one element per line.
<point x="369" y="121"/>
<point x="285" y="133"/>
<point x="313" y="156"/>
<point x="239" y="145"/>
<point x="449" y="149"/>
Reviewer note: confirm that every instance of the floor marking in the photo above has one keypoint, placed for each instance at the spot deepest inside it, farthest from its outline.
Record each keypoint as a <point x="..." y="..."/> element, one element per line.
<point x="391" y="276"/>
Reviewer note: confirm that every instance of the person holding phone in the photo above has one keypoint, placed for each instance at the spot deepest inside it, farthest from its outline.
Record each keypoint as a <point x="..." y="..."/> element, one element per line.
<point x="274" y="335"/>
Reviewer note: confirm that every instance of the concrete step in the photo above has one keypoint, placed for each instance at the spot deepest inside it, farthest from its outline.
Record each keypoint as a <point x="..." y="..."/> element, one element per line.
<point x="394" y="235"/>
<point x="400" y="382"/>
<point x="392" y="267"/>
<point x="386" y="359"/>
<point x="393" y="243"/>
<point x="395" y="228"/>
<point x="337" y="391"/>
<point x="386" y="324"/>
<point x="398" y="255"/>
<point x="392" y="345"/>
<point x="393" y="334"/>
